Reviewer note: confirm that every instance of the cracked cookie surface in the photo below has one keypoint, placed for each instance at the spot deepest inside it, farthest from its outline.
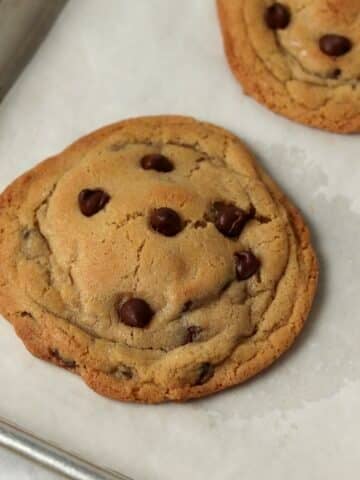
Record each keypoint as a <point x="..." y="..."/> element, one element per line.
<point x="300" y="58"/>
<point x="155" y="259"/>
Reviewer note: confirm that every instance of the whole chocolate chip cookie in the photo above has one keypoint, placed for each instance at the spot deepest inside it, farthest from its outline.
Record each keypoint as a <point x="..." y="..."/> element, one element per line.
<point x="155" y="259"/>
<point x="300" y="58"/>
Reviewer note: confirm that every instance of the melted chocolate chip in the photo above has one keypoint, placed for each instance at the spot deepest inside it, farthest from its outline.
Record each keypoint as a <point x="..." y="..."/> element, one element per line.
<point x="277" y="16"/>
<point x="166" y="221"/>
<point x="135" y="313"/>
<point x="230" y="220"/>
<point x="246" y="265"/>
<point x="206" y="372"/>
<point x="92" y="201"/>
<point x="192" y="333"/>
<point x="334" y="45"/>
<point x="157" y="162"/>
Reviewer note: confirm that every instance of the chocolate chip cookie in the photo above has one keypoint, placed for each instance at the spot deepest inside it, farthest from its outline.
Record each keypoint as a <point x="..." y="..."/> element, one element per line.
<point x="156" y="259"/>
<point x="300" y="58"/>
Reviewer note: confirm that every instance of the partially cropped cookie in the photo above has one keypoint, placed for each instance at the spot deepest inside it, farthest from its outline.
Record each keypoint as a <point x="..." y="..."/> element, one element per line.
<point x="155" y="259"/>
<point x="300" y="58"/>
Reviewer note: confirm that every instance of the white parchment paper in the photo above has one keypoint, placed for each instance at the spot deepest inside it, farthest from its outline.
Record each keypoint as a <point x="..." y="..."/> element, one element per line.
<point x="110" y="59"/>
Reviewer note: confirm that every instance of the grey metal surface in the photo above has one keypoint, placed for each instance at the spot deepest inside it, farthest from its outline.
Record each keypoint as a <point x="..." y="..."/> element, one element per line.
<point x="50" y="456"/>
<point x="23" y="25"/>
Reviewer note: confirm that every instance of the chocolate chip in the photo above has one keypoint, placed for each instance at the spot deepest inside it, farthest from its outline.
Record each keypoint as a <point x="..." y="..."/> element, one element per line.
<point x="187" y="306"/>
<point x="157" y="162"/>
<point x="92" y="201"/>
<point x="206" y="372"/>
<point x="334" y="45"/>
<point x="246" y="265"/>
<point x="252" y="211"/>
<point x="192" y="333"/>
<point x="135" y="313"/>
<point x="166" y="221"/>
<point x="335" y="73"/>
<point x="65" y="363"/>
<point x="230" y="220"/>
<point x="277" y="16"/>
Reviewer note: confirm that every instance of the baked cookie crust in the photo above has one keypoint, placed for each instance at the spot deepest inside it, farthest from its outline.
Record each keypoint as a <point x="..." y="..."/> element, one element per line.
<point x="300" y="58"/>
<point x="217" y="300"/>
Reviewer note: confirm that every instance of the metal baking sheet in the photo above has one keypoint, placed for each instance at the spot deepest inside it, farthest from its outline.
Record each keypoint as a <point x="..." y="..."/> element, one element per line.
<point x="23" y="25"/>
<point x="104" y="61"/>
